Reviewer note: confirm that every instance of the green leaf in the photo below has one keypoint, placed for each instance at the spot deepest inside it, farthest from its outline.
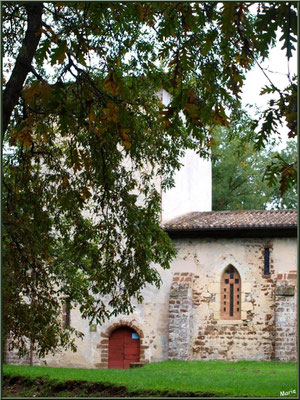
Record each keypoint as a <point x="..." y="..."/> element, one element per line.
<point x="59" y="54"/>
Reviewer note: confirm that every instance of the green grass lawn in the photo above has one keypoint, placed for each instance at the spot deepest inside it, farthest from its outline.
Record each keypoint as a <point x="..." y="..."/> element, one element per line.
<point x="242" y="378"/>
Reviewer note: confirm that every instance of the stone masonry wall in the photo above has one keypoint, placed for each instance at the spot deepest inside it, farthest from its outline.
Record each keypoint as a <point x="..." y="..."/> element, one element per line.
<point x="180" y="316"/>
<point x="258" y="334"/>
<point x="11" y="357"/>
<point x="286" y="317"/>
<point x="250" y="337"/>
<point x="182" y="319"/>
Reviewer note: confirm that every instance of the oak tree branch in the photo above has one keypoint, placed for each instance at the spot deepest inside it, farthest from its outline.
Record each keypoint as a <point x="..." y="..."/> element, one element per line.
<point x="22" y="66"/>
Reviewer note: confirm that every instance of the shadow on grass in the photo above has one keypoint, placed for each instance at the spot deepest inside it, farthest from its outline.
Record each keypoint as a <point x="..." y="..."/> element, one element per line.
<point x="18" y="386"/>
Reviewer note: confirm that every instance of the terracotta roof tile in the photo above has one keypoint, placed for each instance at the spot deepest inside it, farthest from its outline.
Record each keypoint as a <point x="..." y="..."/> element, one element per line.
<point x="233" y="220"/>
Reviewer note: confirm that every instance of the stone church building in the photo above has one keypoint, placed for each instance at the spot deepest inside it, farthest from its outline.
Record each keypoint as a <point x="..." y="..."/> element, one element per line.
<point x="230" y="294"/>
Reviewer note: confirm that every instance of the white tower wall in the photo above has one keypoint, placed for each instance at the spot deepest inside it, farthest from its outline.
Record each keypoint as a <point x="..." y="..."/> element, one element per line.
<point x="193" y="183"/>
<point x="192" y="190"/>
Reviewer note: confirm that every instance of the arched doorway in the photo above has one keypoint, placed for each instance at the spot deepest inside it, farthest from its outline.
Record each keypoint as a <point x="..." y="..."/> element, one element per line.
<point x="123" y="348"/>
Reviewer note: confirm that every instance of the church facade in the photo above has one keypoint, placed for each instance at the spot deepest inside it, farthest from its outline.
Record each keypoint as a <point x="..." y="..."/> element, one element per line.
<point x="230" y="294"/>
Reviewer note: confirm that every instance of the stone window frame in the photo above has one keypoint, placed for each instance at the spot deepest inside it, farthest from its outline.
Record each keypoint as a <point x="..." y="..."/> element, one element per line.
<point x="104" y="343"/>
<point x="215" y="291"/>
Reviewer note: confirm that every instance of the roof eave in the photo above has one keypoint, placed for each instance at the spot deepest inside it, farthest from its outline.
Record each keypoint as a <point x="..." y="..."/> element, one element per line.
<point x="233" y="232"/>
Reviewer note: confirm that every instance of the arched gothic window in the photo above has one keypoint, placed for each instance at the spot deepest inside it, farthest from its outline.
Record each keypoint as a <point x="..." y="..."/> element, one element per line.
<point x="231" y="294"/>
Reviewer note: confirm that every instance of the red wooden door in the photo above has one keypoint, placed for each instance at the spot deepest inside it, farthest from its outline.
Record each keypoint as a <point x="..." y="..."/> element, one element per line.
<point x="124" y="348"/>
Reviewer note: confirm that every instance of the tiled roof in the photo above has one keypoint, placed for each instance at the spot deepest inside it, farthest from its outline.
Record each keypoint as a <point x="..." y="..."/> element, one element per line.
<point x="247" y="219"/>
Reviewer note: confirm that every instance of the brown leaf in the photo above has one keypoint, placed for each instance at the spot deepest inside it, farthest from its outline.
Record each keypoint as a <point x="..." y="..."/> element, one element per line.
<point x="125" y="138"/>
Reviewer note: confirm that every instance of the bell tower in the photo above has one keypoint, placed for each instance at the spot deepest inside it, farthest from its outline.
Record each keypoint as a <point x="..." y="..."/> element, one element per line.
<point x="193" y="183"/>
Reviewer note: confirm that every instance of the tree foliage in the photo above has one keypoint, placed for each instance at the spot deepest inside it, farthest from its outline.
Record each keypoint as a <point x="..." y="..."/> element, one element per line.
<point x="81" y="117"/>
<point x="245" y="178"/>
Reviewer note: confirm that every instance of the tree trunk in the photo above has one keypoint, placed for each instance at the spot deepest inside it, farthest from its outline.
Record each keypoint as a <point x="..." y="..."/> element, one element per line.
<point x="22" y="66"/>
<point x="31" y="354"/>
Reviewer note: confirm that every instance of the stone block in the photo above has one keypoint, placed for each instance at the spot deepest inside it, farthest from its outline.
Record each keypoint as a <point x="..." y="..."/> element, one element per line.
<point x="246" y="287"/>
<point x="136" y="365"/>
<point x="182" y="292"/>
<point x="214" y="287"/>
<point x="285" y="291"/>
<point x="215" y="306"/>
<point x="243" y="315"/>
<point x="247" y="306"/>
<point x="217" y="314"/>
<point x="101" y="365"/>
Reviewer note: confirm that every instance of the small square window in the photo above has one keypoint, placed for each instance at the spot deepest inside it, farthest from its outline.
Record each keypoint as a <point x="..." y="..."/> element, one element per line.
<point x="224" y="289"/>
<point x="238" y="302"/>
<point x="225" y="302"/>
<point x="224" y="296"/>
<point x="224" y="308"/>
<point x="238" y="289"/>
<point x="226" y="280"/>
<point x="236" y="281"/>
<point x="238" y="296"/>
<point x="237" y="309"/>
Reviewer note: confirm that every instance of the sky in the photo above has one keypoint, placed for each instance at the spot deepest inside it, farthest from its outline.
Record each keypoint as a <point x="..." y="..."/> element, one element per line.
<point x="277" y="69"/>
